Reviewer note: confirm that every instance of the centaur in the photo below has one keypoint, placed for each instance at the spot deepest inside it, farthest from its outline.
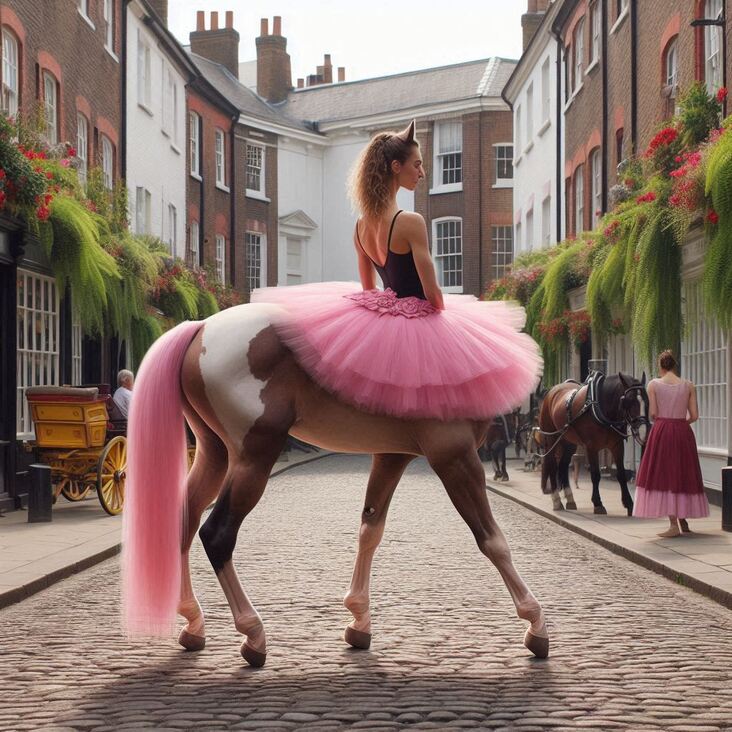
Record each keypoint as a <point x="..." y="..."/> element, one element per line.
<point x="600" y="414"/>
<point x="242" y="393"/>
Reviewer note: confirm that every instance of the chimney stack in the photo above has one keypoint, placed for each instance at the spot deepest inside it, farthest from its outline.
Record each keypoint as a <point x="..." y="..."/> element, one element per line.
<point x="220" y="45"/>
<point x="301" y="83"/>
<point x="531" y="19"/>
<point x="274" y="76"/>
<point x="341" y="73"/>
<point x="161" y="9"/>
<point x="327" y="70"/>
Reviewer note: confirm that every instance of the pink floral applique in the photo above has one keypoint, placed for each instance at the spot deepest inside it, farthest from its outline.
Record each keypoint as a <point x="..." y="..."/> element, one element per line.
<point x="386" y="302"/>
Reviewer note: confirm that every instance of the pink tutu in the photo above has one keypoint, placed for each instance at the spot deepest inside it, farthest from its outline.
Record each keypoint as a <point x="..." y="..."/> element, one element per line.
<point x="401" y="357"/>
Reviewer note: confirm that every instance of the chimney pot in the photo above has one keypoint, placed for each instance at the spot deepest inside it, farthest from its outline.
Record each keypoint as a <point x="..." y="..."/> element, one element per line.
<point x="201" y="20"/>
<point x="327" y="59"/>
<point x="264" y="27"/>
<point x="300" y="83"/>
<point x="214" y="20"/>
<point x="277" y="25"/>
<point x="341" y="73"/>
<point x="229" y="18"/>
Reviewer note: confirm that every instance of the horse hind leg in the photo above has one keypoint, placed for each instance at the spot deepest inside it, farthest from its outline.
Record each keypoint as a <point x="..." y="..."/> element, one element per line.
<point x="386" y="472"/>
<point x="462" y="475"/>
<point x="549" y="476"/>
<point x="563" y="473"/>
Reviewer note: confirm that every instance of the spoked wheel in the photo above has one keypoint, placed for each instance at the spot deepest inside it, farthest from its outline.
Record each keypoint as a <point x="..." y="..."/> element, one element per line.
<point x="74" y="490"/>
<point x="112" y="474"/>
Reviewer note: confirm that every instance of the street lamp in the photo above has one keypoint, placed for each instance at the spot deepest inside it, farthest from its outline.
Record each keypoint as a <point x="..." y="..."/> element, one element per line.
<point x="720" y="22"/>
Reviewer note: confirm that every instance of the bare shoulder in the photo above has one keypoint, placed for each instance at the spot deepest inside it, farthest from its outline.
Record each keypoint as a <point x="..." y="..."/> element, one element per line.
<point x="412" y="220"/>
<point x="692" y="388"/>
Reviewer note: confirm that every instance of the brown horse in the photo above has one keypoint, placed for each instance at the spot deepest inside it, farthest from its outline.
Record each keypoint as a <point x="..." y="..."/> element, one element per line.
<point x="600" y="414"/>
<point x="242" y="393"/>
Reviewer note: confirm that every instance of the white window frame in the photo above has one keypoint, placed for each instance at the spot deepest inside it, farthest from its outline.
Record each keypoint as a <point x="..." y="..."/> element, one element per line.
<point x="261" y="191"/>
<point x="579" y="54"/>
<point x="440" y="158"/>
<point x="529" y="116"/>
<point x="713" y="47"/>
<point x="503" y="154"/>
<point x="143" y="210"/>
<point x="220" y="258"/>
<point x="109" y="27"/>
<point x="82" y="146"/>
<point x="704" y="360"/>
<point x="11" y="76"/>
<point x="170" y="105"/>
<point x="671" y="70"/>
<point x="579" y="199"/>
<point x="107" y="162"/>
<point x="596" y="172"/>
<point x="50" y="106"/>
<point x="194" y="146"/>
<point x="546" y="94"/>
<point x="546" y="222"/>
<point x="296" y="272"/>
<point x="144" y="80"/>
<point x="172" y="228"/>
<point x="194" y="258"/>
<point x="83" y="9"/>
<point x="440" y="258"/>
<point x="502" y="241"/>
<point x="596" y="31"/>
<point x="623" y="8"/>
<point x="38" y="342"/>
<point x="77" y="350"/>
<point x="256" y="266"/>
<point x="221" y="160"/>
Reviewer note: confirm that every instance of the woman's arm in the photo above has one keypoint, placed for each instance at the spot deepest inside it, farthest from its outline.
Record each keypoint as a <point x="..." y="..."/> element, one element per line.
<point x="415" y="231"/>
<point x="652" y="404"/>
<point x="693" y="406"/>
<point x="365" y="267"/>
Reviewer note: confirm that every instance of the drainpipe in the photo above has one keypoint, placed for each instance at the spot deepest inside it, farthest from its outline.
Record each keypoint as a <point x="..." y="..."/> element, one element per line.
<point x="232" y="201"/>
<point x="560" y="105"/>
<point x="605" y="122"/>
<point x="634" y="75"/>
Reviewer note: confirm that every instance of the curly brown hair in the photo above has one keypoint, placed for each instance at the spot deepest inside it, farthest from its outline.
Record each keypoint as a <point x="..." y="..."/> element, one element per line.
<point x="371" y="175"/>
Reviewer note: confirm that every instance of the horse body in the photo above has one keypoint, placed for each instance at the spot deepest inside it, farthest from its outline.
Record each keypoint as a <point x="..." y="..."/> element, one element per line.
<point x="242" y="393"/>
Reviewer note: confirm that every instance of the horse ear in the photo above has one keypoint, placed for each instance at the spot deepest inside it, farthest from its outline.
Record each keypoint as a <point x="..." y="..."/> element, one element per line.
<point x="622" y="380"/>
<point x="643" y="379"/>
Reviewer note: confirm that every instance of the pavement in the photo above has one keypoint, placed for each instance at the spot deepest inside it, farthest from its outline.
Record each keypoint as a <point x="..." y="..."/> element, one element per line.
<point x="35" y="556"/>
<point x="630" y="650"/>
<point x="700" y="560"/>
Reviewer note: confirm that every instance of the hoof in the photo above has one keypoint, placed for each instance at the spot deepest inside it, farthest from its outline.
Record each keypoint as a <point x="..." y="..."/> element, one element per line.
<point x="558" y="507"/>
<point x="571" y="505"/>
<point x="601" y="510"/>
<point x="252" y="656"/>
<point x="191" y="642"/>
<point x="357" y="638"/>
<point x="629" y="510"/>
<point x="537" y="644"/>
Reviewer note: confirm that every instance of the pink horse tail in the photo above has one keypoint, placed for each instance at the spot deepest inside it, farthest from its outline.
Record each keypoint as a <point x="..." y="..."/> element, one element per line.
<point x="155" y="490"/>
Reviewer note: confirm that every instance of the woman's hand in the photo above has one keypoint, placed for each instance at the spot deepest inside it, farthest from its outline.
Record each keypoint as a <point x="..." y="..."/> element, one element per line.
<point x="415" y="231"/>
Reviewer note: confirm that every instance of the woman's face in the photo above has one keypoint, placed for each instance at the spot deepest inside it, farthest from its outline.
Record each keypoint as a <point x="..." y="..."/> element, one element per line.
<point x="411" y="171"/>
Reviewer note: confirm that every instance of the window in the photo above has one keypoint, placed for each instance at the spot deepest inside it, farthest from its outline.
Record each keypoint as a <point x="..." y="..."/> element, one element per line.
<point x="530" y="114"/>
<point x="143" y="210"/>
<point x="529" y="235"/>
<point x="502" y="250"/>
<point x="109" y="25"/>
<point x="579" y="53"/>
<point x="294" y="260"/>
<point x="713" y="46"/>
<point x="449" y="155"/>
<point x="220" y="159"/>
<point x="76" y="347"/>
<point x="172" y="228"/>
<point x="108" y="162"/>
<point x="704" y="359"/>
<point x="170" y="105"/>
<point x="50" y="106"/>
<point x="596" y="187"/>
<point x="194" y="259"/>
<point x="254" y="260"/>
<point x="672" y="68"/>
<point x="579" y="199"/>
<point x="595" y="26"/>
<point x="143" y="72"/>
<point x="517" y="131"/>
<point x="546" y="222"/>
<point x="195" y="153"/>
<point x="546" y="92"/>
<point x="82" y="146"/>
<point x="504" y="163"/>
<point x="255" y="169"/>
<point x="220" y="258"/>
<point x="10" y="74"/>
<point x="449" y="253"/>
<point x="37" y="341"/>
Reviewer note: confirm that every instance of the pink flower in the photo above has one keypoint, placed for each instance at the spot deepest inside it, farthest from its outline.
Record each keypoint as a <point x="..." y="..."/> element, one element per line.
<point x="65" y="163"/>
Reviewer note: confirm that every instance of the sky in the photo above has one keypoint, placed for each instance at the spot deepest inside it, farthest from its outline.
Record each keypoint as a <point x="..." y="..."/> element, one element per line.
<point x="374" y="38"/>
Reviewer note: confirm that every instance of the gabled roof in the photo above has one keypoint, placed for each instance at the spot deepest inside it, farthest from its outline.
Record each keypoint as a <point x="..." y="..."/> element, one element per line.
<point x="443" y="84"/>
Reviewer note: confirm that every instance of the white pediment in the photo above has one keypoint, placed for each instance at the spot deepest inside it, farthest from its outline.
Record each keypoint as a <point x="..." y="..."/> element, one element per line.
<point x="297" y="220"/>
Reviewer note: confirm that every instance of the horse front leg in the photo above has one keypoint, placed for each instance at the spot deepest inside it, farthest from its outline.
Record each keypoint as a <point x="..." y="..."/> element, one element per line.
<point x="593" y="458"/>
<point x="618" y="452"/>
<point x="386" y="472"/>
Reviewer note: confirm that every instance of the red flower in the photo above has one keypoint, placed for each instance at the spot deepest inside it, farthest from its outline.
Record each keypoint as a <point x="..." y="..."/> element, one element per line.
<point x="713" y="216"/>
<point x="49" y="175"/>
<point x="722" y="94"/>
<point x="42" y="213"/>
<point x="665" y="137"/>
<point x="646" y="198"/>
<point x="71" y="152"/>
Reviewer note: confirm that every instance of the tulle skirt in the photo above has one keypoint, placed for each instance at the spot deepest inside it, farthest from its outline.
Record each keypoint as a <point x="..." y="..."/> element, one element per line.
<point x="403" y="358"/>
<point x="669" y="480"/>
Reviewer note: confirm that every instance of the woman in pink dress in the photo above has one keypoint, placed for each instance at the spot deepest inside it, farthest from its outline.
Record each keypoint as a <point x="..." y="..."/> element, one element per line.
<point x="407" y="350"/>
<point x="669" y="481"/>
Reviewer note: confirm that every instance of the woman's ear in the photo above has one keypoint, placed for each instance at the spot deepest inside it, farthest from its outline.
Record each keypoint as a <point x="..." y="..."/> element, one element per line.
<point x="396" y="167"/>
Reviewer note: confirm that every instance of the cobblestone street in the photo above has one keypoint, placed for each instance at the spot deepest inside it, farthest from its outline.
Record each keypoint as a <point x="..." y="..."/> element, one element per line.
<point x="630" y="650"/>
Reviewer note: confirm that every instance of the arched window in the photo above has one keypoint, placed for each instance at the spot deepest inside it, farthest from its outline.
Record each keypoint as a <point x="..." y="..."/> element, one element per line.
<point x="596" y="165"/>
<point x="579" y="199"/>
<point x="11" y="74"/>
<point x="50" y="106"/>
<point x="713" y="47"/>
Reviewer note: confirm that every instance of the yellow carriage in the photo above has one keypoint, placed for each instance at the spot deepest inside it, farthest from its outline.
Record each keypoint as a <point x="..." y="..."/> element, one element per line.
<point x="74" y="439"/>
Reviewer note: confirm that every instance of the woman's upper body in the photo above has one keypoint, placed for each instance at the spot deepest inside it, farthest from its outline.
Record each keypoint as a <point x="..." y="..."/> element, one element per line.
<point x="670" y="397"/>
<point x="391" y="242"/>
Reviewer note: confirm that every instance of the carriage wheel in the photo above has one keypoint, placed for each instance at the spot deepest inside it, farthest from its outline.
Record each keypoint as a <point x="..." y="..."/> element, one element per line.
<point x="73" y="490"/>
<point x="111" y="475"/>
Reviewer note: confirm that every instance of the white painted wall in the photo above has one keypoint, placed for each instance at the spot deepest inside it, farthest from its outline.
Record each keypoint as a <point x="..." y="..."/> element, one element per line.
<point x="155" y="161"/>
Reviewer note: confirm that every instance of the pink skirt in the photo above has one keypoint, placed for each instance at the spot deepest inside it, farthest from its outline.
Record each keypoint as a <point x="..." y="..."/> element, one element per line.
<point x="403" y="358"/>
<point x="669" y="481"/>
